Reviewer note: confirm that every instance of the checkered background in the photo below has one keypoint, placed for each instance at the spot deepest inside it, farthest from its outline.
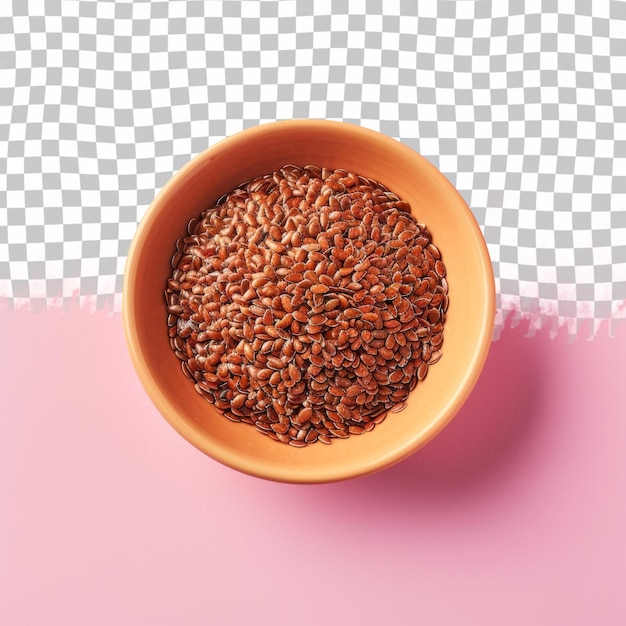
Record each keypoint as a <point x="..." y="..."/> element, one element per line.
<point x="522" y="105"/>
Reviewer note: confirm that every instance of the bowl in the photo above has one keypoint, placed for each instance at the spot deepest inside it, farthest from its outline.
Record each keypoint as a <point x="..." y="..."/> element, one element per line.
<point x="261" y="150"/>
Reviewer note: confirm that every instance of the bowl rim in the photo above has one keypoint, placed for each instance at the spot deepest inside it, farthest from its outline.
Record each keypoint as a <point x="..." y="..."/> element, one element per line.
<point x="321" y="475"/>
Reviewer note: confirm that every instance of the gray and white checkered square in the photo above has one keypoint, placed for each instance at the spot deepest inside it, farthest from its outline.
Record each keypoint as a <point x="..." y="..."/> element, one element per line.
<point x="521" y="104"/>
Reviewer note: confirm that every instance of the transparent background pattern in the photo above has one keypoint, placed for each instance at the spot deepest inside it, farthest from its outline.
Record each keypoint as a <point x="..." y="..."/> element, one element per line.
<point x="522" y="105"/>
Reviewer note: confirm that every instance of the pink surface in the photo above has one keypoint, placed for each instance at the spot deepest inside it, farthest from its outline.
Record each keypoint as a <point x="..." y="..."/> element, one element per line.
<point x="515" y="514"/>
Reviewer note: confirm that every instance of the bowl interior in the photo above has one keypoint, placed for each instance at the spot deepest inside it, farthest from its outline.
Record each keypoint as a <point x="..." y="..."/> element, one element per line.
<point x="257" y="151"/>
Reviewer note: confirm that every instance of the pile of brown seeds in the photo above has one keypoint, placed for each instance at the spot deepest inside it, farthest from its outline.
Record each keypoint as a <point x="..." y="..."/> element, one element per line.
<point x="308" y="303"/>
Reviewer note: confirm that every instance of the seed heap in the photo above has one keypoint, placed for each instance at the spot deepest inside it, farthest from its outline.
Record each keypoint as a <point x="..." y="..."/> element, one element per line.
<point x="308" y="303"/>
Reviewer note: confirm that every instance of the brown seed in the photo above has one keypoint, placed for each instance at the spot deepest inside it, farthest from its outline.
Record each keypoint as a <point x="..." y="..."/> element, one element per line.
<point x="296" y="443"/>
<point x="344" y="411"/>
<point x="275" y="246"/>
<point x="341" y="434"/>
<point x="386" y="353"/>
<point x="356" y="430"/>
<point x="311" y="436"/>
<point x="280" y="428"/>
<point x="396" y="376"/>
<point x="275" y="378"/>
<point x="398" y="407"/>
<point x="302" y="416"/>
<point x="368" y="360"/>
<point x="264" y="374"/>
<point x="248" y="352"/>
<point x="380" y="418"/>
<point x="319" y="289"/>
<point x="300" y="316"/>
<point x="352" y="313"/>
<point x="294" y="373"/>
<point x="335" y="391"/>
<point x="422" y="371"/>
<point x="275" y="363"/>
<point x="238" y="401"/>
<point x="434" y="357"/>
<point x="286" y="304"/>
<point x="285" y="321"/>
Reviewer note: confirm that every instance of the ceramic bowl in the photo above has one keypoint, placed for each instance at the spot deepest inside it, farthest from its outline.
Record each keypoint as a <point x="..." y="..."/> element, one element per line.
<point x="261" y="150"/>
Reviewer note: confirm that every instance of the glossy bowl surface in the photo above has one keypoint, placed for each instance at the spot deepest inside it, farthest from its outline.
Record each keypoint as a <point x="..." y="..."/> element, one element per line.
<point x="260" y="150"/>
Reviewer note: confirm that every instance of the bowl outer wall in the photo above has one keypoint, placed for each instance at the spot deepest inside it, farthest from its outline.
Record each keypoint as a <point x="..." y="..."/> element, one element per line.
<point x="260" y="150"/>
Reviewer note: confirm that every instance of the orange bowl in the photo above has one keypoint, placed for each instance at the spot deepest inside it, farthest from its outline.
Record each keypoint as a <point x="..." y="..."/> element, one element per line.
<point x="261" y="150"/>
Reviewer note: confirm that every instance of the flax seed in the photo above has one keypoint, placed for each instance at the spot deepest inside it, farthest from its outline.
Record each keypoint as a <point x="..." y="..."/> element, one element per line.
<point x="308" y="303"/>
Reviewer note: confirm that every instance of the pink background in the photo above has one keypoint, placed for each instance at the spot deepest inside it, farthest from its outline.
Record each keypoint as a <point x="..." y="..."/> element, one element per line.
<point x="515" y="514"/>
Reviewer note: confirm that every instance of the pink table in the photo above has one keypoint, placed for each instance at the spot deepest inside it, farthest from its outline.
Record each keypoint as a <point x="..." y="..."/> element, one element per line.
<point x="514" y="515"/>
